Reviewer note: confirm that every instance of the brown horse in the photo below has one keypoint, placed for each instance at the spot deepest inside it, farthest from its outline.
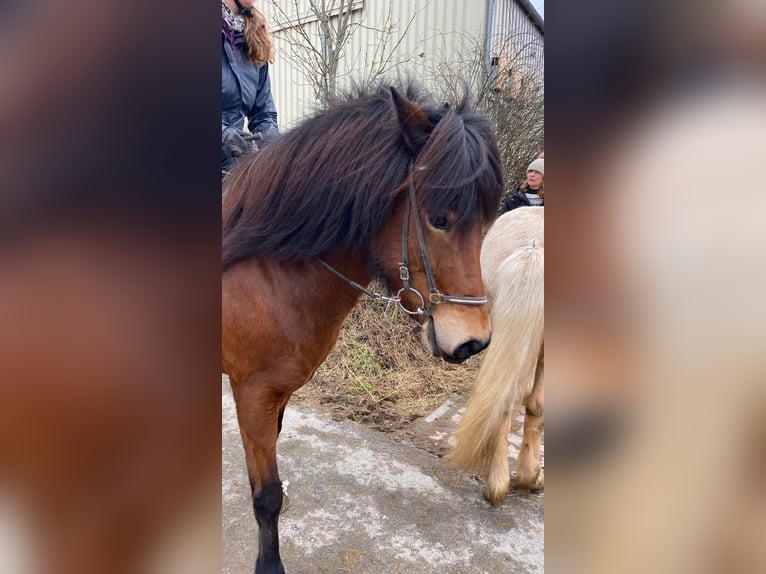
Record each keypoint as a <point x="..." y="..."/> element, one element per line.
<point x="314" y="217"/>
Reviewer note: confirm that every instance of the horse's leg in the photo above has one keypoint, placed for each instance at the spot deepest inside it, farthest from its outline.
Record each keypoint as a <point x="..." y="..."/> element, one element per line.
<point x="281" y="416"/>
<point x="259" y="411"/>
<point x="285" y="498"/>
<point x="498" y="473"/>
<point x="529" y="475"/>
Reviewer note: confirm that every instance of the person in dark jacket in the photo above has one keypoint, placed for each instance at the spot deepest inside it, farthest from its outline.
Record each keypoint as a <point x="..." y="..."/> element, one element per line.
<point x="246" y="99"/>
<point x="531" y="192"/>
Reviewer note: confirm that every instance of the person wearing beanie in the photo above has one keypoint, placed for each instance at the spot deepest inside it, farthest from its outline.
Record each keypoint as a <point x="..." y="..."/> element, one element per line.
<point x="531" y="192"/>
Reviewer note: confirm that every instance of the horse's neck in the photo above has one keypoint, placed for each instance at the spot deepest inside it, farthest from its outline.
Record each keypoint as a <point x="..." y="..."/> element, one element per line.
<point x="352" y="267"/>
<point x="292" y="305"/>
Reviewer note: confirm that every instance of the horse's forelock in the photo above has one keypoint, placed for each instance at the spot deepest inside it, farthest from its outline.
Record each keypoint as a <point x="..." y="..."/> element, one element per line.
<point x="472" y="186"/>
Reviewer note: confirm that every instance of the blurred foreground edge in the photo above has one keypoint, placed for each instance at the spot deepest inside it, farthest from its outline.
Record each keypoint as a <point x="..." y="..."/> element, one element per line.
<point x="655" y="281"/>
<point x="109" y="290"/>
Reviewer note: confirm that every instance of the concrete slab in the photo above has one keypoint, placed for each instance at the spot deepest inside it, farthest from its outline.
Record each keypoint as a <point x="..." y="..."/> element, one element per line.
<point x="363" y="503"/>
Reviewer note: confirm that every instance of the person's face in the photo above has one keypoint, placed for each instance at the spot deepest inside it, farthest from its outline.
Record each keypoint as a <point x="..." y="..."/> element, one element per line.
<point x="233" y="5"/>
<point x="534" y="179"/>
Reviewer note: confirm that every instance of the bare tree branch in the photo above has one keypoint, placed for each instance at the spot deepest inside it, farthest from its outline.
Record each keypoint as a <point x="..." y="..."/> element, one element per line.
<point x="511" y="93"/>
<point x="319" y="57"/>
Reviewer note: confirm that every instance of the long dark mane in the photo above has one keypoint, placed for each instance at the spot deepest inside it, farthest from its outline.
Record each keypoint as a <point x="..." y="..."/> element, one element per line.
<point x="331" y="182"/>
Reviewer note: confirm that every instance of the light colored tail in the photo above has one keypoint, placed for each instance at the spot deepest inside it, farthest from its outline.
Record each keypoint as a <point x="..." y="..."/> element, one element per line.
<point x="507" y="373"/>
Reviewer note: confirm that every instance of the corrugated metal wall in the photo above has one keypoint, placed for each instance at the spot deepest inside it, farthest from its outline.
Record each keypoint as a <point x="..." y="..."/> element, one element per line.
<point x="516" y="39"/>
<point x="437" y="29"/>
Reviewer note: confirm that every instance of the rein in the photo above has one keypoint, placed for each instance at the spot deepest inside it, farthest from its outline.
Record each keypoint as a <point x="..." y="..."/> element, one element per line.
<point x="435" y="296"/>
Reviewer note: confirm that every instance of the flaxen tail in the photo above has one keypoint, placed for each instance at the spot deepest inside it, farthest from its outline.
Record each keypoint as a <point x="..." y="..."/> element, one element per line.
<point x="507" y="373"/>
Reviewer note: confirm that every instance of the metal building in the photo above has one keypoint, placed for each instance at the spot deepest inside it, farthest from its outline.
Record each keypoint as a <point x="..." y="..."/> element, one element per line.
<point x="500" y="41"/>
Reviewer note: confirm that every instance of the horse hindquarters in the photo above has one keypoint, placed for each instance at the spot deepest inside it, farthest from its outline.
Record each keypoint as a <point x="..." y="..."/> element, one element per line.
<point x="507" y="374"/>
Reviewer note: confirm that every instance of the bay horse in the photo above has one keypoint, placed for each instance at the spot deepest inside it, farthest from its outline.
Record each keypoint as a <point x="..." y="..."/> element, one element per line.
<point x="314" y="217"/>
<point x="511" y="373"/>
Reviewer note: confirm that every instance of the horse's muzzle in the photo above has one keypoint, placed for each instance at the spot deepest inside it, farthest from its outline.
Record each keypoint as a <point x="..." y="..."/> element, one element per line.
<point x="467" y="349"/>
<point x="463" y="351"/>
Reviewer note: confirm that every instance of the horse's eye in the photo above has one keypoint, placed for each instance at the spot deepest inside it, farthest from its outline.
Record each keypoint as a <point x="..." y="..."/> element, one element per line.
<point x="440" y="221"/>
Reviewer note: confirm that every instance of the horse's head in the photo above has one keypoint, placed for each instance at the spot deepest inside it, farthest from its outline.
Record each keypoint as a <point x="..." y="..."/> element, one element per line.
<point x="450" y="308"/>
<point x="458" y="324"/>
<point x="451" y="193"/>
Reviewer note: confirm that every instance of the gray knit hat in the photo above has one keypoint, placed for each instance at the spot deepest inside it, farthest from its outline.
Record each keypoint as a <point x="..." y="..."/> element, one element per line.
<point x="538" y="165"/>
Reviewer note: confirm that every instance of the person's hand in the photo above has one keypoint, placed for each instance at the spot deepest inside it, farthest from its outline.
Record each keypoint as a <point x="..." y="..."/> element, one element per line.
<point x="267" y="137"/>
<point x="233" y="143"/>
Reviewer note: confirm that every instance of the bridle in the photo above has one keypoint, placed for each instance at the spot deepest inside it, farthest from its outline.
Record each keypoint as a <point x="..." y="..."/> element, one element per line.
<point x="435" y="296"/>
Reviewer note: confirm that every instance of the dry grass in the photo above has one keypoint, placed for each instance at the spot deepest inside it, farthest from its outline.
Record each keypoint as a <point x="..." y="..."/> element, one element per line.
<point x="380" y="375"/>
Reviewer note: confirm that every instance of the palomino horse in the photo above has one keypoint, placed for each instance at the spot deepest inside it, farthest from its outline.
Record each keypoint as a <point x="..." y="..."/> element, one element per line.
<point x="313" y="217"/>
<point x="511" y="373"/>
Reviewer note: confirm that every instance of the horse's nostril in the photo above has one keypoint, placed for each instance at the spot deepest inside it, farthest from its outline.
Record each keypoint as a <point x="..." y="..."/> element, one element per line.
<point x="470" y="348"/>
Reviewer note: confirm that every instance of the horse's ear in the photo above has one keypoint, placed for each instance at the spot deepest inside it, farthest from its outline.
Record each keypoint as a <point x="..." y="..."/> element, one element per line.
<point x="412" y="120"/>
